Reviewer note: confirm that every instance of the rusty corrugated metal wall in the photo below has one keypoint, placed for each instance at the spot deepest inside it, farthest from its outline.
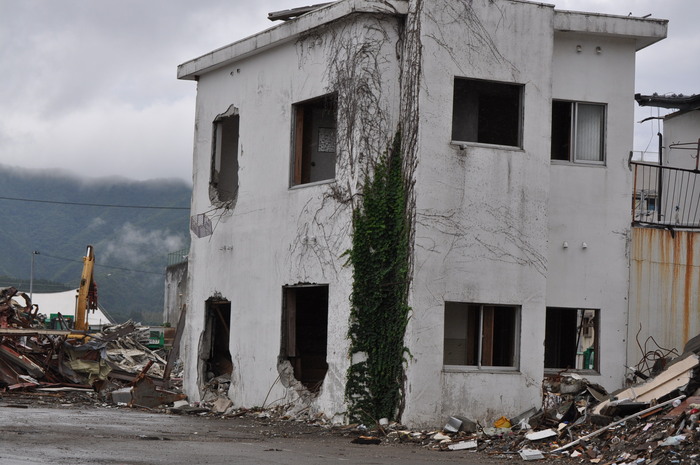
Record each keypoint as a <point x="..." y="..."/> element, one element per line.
<point x="664" y="288"/>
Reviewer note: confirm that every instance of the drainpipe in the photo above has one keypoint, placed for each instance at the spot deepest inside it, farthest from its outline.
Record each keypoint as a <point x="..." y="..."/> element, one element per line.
<point x="660" y="182"/>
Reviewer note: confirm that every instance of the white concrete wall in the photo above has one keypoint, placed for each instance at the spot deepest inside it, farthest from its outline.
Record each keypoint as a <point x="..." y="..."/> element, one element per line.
<point x="490" y="220"/>
<point x="481" y="227"/>
<point x="681" y="128"/>
<point x="275" y="235"/>
<point x="175" y="292"/>
<point x="590" y="203"/>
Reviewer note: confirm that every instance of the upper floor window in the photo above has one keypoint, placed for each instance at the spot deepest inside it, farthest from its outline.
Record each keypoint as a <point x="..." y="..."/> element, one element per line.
<point x="487" y="112"/>
<point x="314" y="140"/>
<point x="578" y="132"/>
<point x="224" y="157"/>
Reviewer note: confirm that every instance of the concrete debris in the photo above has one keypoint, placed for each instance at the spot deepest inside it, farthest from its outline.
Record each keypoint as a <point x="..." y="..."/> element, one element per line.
<point x="580" y="423"/>
<point x="463" y="445"/>
<point x="456" y="424"/>
<point x="531" y="454"/>
<point x="537" y="435"/>
<point x="34" y="357"/>
<point x="221" y="405"/>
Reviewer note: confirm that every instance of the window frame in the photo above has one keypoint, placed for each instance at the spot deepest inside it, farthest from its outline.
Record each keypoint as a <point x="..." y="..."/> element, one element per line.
<point x="300" y="160"/>
<point x="573" y="130"/>
<point x="482" y="87"/>
<point x="580" y="326"/>
<point x="516" y="338"/>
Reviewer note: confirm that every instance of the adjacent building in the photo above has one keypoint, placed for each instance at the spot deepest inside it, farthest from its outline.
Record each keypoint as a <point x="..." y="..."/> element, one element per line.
<point x="665" y="249"/>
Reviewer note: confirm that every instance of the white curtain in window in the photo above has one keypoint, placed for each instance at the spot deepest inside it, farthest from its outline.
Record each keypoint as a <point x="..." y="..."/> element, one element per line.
<point x="589" y="132"/>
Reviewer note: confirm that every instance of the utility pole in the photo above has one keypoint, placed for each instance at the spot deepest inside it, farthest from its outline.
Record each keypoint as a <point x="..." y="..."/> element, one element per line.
<point x="31" y="276"/>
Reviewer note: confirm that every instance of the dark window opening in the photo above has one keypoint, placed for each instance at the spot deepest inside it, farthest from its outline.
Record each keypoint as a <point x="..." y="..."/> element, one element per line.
<point x="305" y="333"/>
<point x="561" y="130"/>
<point x="578" y="132"/>
<point x="217" y="332"/>
<point x="314" y="146"/>
<point x="481" y="335"/>
<point x="224" y="162"/>
<point x="487" y="112"/>
<point x="571" y="340"/>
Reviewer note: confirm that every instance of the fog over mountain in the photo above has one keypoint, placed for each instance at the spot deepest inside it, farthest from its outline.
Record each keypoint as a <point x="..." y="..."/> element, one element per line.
<point x="131" y="244"/>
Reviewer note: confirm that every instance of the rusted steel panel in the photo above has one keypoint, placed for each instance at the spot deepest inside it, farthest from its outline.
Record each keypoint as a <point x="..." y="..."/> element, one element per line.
<point x="22" y="360"/>
<point x="664" y="289"/>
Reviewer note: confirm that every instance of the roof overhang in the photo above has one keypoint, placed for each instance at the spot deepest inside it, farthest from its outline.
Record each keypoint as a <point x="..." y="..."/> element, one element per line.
<point x="644" y="31"/>
<point x="286" y="32"/>
<point x="286" y="15"/>
<point x="679" y="102"/>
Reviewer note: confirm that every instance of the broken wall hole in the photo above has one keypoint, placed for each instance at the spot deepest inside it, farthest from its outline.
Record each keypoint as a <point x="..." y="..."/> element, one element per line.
<point x="305" y="333"/>
<point x="224" y="156"/>
<point x="215" y="353"/>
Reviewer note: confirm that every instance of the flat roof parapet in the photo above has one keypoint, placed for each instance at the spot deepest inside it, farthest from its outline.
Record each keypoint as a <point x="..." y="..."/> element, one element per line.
<point x="286" y="15"/>
<point x="645" y="31"/>
<point x="286" y="32"/>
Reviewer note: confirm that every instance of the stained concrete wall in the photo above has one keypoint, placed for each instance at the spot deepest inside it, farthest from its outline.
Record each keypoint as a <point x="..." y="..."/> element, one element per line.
<point x="664" y="291"/>
<point x="175" y="292"/>
<point x="489" y="220"/>
<point x="681" y="128"/>
<point x="481" y="226"/>
<point x="278" y="235"/>
<point x="591" y="203"/>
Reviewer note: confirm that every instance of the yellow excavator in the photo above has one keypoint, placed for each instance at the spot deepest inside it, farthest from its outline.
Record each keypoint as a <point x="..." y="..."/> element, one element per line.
<point x="87" y="292"/>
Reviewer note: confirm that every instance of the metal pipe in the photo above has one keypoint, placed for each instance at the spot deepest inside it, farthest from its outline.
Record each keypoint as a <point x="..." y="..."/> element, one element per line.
<point x="31" y="277"/>
<point x="660" y="182"/>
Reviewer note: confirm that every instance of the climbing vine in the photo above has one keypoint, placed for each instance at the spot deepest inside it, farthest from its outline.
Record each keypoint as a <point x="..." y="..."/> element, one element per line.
<point x="379" y="314"/>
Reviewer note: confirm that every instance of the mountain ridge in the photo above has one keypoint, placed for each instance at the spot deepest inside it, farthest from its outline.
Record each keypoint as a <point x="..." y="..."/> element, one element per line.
<point x="131" y="244"/>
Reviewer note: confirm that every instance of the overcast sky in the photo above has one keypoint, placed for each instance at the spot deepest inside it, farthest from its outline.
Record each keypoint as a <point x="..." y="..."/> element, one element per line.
<point x="89" y="86"/>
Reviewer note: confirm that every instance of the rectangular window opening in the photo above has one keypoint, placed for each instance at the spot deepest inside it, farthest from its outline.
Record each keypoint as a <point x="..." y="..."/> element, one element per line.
<point x="481" y="335"/>
<point x="305" y="333"/>
<point x="578" y="132"/>
<point x="314" y="140"/>
<point x="224" y="164"/>
<point x="487" y="112"/>
<point x="571" y="339"/>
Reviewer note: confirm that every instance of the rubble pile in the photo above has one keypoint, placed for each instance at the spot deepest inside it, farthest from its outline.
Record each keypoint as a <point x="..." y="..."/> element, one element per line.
<point x="654" y="422"/>
<point x="35" y="358"/>
<point x="215" y="395"/>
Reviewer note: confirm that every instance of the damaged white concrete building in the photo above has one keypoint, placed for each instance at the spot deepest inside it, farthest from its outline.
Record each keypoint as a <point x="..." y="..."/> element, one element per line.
<point x="519" y="122"/>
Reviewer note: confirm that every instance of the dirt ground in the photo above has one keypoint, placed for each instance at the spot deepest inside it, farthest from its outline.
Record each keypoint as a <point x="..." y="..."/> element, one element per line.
<point x="67" y="429"/>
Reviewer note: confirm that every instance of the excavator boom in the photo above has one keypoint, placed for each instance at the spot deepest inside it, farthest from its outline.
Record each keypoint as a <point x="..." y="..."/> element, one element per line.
<point x="87" y="292"/>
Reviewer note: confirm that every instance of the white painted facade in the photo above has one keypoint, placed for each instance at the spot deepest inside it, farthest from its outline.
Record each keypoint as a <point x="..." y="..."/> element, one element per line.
<point x="491" y="220"/>
<point x="681" y="138"/>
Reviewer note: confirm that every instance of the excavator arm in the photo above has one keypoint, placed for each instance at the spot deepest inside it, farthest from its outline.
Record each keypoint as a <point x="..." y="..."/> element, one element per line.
<point x="87" y="292"/>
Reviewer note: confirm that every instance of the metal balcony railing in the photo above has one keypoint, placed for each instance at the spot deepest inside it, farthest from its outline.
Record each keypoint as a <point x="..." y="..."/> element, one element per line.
<point x="666" y="196"/>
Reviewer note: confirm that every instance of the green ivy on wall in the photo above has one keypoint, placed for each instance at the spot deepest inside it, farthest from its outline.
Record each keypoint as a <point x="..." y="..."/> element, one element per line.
<point x="379" y="310"/>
